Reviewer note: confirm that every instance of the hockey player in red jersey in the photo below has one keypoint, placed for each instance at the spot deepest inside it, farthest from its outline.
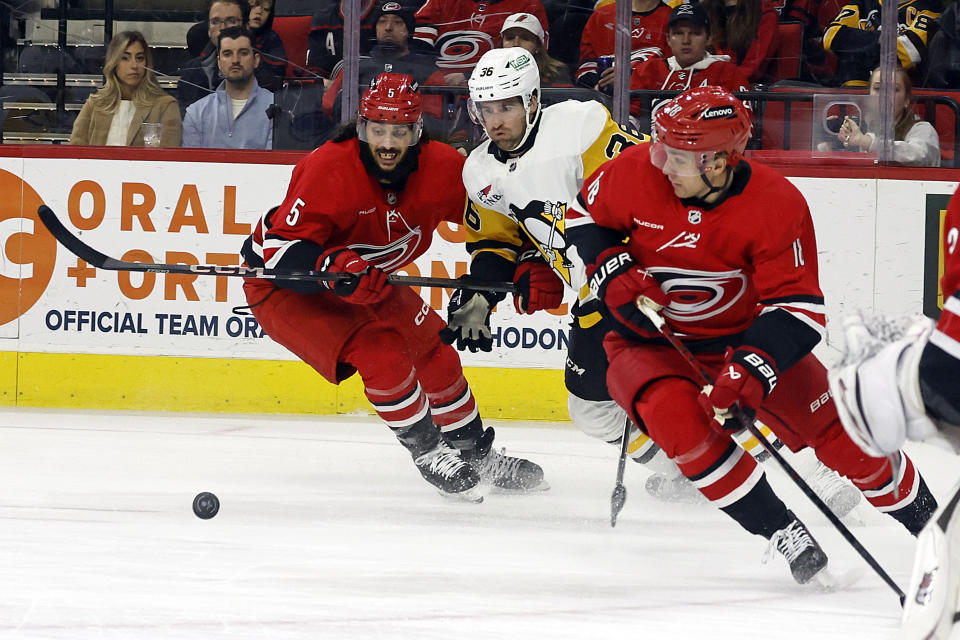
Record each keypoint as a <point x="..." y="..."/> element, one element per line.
<point x="725" y="251"/>
<point x="364" y="205"/>
<point x="688" y="34"/>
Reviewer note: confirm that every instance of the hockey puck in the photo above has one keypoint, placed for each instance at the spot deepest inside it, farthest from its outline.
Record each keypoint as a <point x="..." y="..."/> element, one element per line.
<point x="206" y="505"/>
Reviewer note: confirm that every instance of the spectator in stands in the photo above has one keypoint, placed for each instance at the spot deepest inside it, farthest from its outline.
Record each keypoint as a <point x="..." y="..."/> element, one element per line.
<point x="813" y="17"/>
<point x="566" y="20"/>
<point x="688" y="34"/>
<point x="943" y="58"/>
<point x="200" y="76"/>
<point x="130" y="97"/>
<point x="915" y="141"/>
<point x="649" y="39"/>
<point x="461" y="31"/>
<point x="524" y="30"/>
<point x="235" y="115"/>
<point x="273" y="58"/>
<point x="747" y="31"/>
<point x="325" y="39"/>
<point x="394" y="26"/>
<point x="854" y="36"/>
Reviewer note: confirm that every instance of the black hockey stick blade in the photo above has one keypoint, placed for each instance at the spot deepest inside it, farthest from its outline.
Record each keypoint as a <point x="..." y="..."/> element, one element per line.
<point x="102" y="261"/>
<point x="619" y="496"/>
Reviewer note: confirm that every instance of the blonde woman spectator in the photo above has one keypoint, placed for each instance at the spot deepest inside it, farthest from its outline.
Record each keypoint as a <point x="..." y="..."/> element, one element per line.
<point x="129" y="98"/>
<point x="915" y="141"/>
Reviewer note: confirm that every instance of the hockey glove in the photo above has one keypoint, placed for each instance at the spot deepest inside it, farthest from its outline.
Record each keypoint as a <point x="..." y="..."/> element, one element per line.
<point x="468" y="319"/>
<point x="623" y="287"/>
<point x="746" y="379"/>
<point x="366" y="284"/>
<point x="538" y="287"/>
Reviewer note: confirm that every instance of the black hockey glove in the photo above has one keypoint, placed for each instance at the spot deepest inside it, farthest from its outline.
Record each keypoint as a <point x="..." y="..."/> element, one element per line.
<point x="622" y="287"/>
<point x="468" y="318"/>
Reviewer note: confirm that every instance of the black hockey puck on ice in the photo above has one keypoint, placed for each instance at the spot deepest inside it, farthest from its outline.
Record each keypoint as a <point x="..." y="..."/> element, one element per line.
<point x="206" y="505"/>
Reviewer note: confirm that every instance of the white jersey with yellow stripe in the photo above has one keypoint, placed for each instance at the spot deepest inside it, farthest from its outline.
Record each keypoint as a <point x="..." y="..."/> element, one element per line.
<point x="524" y="199"/>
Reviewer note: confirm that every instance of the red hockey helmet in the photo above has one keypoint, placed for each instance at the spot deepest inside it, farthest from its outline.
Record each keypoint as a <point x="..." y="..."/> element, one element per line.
<point x="705" y="119"/>
<point x="392" y="98"/>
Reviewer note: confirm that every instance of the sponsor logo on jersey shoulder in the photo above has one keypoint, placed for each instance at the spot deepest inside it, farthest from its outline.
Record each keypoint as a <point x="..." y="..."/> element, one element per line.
<point x="649" y="225"/>
<point x="366" y="211"/>
<point x="487" y="198"/>
<point x="694" y="216"/>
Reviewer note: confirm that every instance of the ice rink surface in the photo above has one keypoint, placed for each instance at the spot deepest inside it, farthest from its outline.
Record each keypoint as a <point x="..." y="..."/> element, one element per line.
<point x="326" y="530"/>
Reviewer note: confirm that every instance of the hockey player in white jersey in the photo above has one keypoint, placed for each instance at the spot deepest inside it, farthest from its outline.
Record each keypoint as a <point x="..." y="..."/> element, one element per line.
<point x="519" y="183"/>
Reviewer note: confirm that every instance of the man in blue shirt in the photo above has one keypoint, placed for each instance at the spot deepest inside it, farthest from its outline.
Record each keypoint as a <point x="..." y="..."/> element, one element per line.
<point x="235" y="115"/>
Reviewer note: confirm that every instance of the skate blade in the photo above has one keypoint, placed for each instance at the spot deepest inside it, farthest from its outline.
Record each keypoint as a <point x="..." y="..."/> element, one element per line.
<point x="472" y="495"/>
<point x="540" y="488"/>
<point x="828" y="581"/>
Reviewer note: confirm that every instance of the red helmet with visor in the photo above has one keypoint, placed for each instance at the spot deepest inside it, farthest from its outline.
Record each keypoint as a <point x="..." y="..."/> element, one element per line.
<point x="392" y="99"/>
<point x="703" y="120"/>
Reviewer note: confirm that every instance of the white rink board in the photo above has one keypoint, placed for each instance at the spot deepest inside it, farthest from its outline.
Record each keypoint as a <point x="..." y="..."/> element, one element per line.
<point x="870" y="235"/>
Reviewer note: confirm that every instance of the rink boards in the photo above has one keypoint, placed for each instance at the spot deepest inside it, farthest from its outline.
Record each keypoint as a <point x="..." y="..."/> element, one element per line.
<point x="72" y="336"/>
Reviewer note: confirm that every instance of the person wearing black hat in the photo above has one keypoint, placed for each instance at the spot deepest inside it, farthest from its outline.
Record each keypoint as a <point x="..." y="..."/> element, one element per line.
<point x="393" y="25"/>
<point x="688" y="36"/>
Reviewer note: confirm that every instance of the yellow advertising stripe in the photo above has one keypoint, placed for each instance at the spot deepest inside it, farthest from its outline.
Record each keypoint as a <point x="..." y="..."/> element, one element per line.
<point x="154" y="383"/>
<point x="8" y="378"/>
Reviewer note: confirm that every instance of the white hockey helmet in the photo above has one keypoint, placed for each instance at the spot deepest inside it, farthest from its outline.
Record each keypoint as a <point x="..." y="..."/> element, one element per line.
<point x="501" y="74"/>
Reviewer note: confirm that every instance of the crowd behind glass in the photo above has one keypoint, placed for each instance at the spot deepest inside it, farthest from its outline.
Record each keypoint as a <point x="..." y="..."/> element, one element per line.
<point x="247" y="86"/>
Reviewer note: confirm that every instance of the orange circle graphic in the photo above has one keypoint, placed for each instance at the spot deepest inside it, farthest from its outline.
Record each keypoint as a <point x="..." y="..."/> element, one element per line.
<point x="28" y="253"/>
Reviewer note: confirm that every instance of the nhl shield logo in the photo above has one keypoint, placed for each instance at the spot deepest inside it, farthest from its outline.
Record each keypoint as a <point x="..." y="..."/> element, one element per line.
<point x="694" y="216"/>
<point x="391" y="197"/>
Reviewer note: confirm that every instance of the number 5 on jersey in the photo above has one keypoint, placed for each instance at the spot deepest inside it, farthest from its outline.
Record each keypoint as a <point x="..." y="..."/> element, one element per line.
<point x="294" y="214"/>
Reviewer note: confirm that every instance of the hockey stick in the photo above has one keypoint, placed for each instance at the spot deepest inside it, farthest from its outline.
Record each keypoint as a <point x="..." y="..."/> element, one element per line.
<point x="102" y="261"/>
<point x="619" y="496"/>
<point x="706" y="379"/>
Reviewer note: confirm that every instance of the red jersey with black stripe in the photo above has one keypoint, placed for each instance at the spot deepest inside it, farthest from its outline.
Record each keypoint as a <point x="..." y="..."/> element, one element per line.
<point x="333" y="202"/>
<point x="722" y="266"/>
<point x="648" y="37"/>
<point x="947" y="334"/>
<point x="463" y="30"/>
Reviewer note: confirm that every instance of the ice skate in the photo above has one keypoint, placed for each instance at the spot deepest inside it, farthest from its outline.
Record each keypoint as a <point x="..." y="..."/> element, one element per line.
<point x="673" y="489"/>
<point x="840" y="496"/>
<point x="802" y="552"/>
<point x="504" y="473"/>
<point x="444" y="468"/>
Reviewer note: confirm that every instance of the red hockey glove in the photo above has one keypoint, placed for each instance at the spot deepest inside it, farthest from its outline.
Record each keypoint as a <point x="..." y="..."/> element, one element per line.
<point x="367" y="283"/>
<point x="538" y="287"/>
<point x="623" y="287"/>
<point x="746" y="379"/>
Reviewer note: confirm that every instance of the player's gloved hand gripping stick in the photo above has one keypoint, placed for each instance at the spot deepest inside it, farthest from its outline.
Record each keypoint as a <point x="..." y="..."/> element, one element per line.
<point x="741" y="416"/>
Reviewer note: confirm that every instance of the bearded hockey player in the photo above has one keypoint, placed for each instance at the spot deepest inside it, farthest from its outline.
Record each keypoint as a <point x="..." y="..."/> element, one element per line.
<point x="364" y="205"/>
<point x="900" y="379"/>
<point x="724" y="250"/>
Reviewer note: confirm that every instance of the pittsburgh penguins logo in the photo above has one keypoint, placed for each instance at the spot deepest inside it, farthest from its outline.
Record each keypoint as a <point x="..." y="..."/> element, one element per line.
<point x="698" y="295"/>
<point x="545" y="224"/>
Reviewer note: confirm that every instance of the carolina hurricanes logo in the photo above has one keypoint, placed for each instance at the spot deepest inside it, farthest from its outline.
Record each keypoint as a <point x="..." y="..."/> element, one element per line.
<point x="394" y="255"/>
<point x="697" y="295"/>
<point x="462" y="48"/>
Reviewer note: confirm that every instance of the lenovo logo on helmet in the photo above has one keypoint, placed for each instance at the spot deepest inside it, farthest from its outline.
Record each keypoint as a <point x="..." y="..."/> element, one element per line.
<point x="718" y="112"/>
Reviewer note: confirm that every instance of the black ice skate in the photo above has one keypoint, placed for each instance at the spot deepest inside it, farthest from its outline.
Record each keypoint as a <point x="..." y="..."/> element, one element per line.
<point x="804" y="554"/>
<point x="505" y="473"/>
<point x="444" y="468"/>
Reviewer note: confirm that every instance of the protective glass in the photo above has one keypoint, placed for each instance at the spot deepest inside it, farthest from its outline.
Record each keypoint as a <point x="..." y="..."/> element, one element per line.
<point x="389" y="135"/>
<point x="679" y="162"/>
